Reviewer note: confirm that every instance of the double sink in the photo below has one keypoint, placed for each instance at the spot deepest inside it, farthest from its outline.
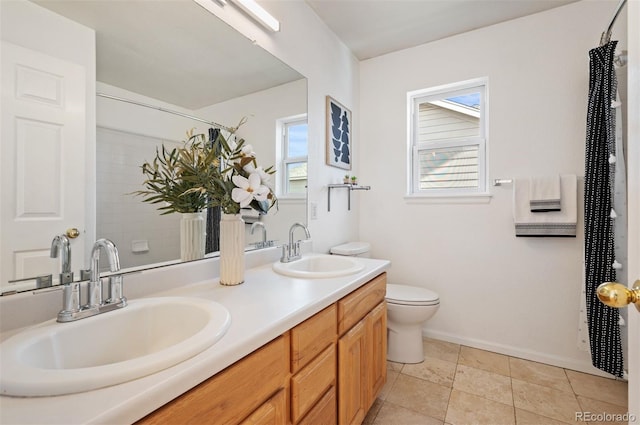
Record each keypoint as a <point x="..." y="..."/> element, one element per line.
<point x="149" y="335"/>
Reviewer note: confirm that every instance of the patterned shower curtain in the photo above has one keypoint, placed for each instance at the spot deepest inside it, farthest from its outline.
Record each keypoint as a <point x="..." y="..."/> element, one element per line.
<point x="604" y="331"/>
<point x="214" y="214"/>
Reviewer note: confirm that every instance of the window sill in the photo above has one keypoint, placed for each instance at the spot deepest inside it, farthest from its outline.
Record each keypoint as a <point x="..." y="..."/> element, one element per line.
<point x="463" y="198"/>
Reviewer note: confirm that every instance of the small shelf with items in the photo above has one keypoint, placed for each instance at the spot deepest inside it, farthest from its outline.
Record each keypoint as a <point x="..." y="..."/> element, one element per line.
<point x="346" y="186"/>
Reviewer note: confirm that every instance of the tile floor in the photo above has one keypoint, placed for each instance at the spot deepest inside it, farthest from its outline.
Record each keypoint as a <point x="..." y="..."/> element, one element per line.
<point x="459" y="385"/>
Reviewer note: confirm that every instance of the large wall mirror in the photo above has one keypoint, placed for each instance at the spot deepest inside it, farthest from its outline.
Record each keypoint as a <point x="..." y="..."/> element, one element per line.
<point x="172" y="56"/>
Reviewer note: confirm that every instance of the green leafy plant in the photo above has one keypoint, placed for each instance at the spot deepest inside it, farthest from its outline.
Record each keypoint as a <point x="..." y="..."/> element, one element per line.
<point x="203" y="174"/>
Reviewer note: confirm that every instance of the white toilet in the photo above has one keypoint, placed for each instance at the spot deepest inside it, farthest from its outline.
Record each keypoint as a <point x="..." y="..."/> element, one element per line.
<point x="408" y="307"/>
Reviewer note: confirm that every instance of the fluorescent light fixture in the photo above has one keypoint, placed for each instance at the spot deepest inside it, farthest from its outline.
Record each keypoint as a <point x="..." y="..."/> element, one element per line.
<point x="259" y="14"/>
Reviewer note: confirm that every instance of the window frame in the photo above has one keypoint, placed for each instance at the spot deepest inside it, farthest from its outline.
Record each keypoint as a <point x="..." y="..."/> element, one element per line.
<point x="415" y="98"/>
<point x="283" y="159"/>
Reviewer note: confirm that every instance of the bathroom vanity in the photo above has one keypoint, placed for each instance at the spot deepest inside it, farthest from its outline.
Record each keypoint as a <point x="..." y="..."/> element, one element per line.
<point x="330" y="366"/>
<point x="297" y="351"/>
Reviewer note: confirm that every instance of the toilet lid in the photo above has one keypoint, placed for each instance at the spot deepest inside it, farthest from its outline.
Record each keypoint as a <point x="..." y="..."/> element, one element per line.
<point x="410" y="295"/>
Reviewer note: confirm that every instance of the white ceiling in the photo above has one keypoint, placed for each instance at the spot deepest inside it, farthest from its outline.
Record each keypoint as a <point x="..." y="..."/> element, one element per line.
<point x="372" y="28"/>
<point x="177" y="52"/>
<point x="173" y="50"/>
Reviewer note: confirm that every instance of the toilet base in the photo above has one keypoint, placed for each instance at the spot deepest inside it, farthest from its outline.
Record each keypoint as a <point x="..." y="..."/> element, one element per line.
<point x="405" y="345"/>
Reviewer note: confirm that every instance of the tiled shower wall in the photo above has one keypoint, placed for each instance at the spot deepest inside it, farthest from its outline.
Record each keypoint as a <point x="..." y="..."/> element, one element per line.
<point x="121" y="216"/>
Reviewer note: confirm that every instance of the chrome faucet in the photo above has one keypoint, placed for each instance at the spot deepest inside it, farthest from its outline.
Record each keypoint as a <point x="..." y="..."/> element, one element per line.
<point x="95" y="285"/>
<point x="61" y="245"/>
<point x="291" y="251"/>
<point x="260" y="225"/>
<point x="71" y="309"/>
<point x="264" y="243"/>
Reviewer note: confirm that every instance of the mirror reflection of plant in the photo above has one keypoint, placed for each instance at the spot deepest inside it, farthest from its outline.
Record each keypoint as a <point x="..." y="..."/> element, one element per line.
<point x="204" y="174"/>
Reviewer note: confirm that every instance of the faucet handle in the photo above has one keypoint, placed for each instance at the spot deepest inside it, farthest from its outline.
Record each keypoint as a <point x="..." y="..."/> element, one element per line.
<point x="70" y="301"/>
<point x="115" y="290"/>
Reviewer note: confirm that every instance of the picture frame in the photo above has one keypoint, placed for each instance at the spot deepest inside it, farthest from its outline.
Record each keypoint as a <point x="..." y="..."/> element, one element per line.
<point x="339" y="152"/>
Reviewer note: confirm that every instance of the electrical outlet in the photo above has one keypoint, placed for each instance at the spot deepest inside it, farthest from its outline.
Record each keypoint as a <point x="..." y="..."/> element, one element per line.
<point x="313" y="206"/>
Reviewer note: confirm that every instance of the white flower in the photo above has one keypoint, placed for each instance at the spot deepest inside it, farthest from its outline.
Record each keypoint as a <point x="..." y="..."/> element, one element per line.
<point x="247" y="150"/>
<point x="248" y="189"/>
<point x="264" y="176"/>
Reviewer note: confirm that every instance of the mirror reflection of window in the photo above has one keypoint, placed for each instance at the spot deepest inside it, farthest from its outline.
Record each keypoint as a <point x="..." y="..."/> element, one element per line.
<point x="293" y="149"/>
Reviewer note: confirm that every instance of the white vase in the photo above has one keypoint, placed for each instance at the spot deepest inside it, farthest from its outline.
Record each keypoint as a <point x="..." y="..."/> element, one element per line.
<point x="192" y="236"/>
<point x="232" y="242"/>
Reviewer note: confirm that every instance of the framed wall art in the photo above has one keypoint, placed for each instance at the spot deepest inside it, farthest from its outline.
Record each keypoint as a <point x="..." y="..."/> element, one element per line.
<point x="339" y="147"/>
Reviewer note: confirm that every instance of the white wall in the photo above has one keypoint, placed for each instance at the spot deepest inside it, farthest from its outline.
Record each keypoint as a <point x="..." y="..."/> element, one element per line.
<point x="262" y="110"/>
<point x="518" y="296"/>
<point x="306" y="44"/>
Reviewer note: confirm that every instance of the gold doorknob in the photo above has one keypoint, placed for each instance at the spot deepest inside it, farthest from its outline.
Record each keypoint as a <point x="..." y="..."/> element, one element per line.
<point x="617" y="295"/>
<point x="72" y="233"/>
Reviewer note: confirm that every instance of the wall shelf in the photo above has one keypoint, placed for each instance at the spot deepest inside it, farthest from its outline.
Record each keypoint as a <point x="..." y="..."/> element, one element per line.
<point x="344" y="186"/>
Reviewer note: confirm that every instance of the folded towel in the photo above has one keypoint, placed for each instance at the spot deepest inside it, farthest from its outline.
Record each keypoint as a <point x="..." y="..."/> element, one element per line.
<point x="554" y="223"/>
<point x="544" y="194"/>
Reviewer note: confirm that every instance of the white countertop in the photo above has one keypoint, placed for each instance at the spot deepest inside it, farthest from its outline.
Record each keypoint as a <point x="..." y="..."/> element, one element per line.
<point x="265" y="306"/>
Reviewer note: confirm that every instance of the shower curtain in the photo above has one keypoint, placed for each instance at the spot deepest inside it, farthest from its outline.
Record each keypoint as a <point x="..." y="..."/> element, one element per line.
<point x="604" y="331"/>
<point x="214" y="214"/>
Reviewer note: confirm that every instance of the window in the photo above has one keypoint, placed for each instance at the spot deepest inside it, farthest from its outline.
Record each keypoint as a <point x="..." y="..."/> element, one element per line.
<point x="447" y="152"/>
<point x="292" y="180"/>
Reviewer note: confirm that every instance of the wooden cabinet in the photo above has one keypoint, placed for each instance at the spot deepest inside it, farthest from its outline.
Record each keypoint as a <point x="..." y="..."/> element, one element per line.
<point x="313" y="363"/>
<point x="272" y="411"/>
<point x="231" y="395"/>
<point x="362" y="350"/>
<point x="326" y="370"/>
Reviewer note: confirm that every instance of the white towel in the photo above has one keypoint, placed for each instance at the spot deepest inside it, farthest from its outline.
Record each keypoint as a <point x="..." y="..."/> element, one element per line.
<point x="544" y="194"/>
<point x="554" y="223"/>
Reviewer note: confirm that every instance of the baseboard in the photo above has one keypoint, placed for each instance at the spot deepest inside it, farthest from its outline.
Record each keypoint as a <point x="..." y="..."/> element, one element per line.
<point x="534" y="356"/>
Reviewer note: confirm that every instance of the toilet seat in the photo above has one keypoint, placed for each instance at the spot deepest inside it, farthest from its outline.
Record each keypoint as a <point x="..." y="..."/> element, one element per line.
<point x="411" y="295"/>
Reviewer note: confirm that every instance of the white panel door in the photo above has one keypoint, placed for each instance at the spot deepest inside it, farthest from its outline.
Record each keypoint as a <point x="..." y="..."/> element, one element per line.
<point x="41" y="161"/>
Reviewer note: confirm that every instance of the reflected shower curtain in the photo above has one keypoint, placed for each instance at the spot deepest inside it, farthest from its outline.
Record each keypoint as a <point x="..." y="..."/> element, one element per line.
<point x="604" y="331"/>
<point x="214" y="214"/>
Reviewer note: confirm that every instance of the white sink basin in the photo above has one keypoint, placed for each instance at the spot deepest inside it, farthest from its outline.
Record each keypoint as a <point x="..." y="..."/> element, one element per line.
<point x="142" y="338"/>
<point x="319" y="266"/>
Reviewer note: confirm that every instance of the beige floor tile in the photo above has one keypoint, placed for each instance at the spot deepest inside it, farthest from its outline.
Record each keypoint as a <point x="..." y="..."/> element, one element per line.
<point x="598" y="388"/>
<point x="485" y="360"/>
<point x="539" y="373"/>
<point x="442" y="350"/>
<point x="373" y="412"/>
<point x="484" y="384"/>
<point x="600" y="412"/>
<point x="545" y="401"/>
<point x="392" y="414"/>
<point x="467" y="409"/>
<point x="524" y="417"/>
<point x="420" y="396"/>
<point x="392" y="375"/>
<point x="433" y="370"/>
<point x="396" y="367"/>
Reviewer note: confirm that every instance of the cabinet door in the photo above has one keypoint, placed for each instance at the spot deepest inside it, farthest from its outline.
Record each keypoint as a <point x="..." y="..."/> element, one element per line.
<point x="352" y="367"/>
<point x="377" y="352"/>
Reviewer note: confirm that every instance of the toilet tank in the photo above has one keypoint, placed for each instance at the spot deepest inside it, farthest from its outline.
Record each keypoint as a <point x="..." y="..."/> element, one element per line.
<point x="352" y="249"/>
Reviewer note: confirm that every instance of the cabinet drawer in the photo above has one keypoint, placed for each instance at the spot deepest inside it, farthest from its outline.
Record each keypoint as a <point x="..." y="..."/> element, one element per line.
<point x="308" y="385"/>
<point x="272" y="412"/>
<point x="312" y="336"/>
<point x="324" y="412"/>
<point x="353" y="307"/>
<point x="223" y="398"/>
